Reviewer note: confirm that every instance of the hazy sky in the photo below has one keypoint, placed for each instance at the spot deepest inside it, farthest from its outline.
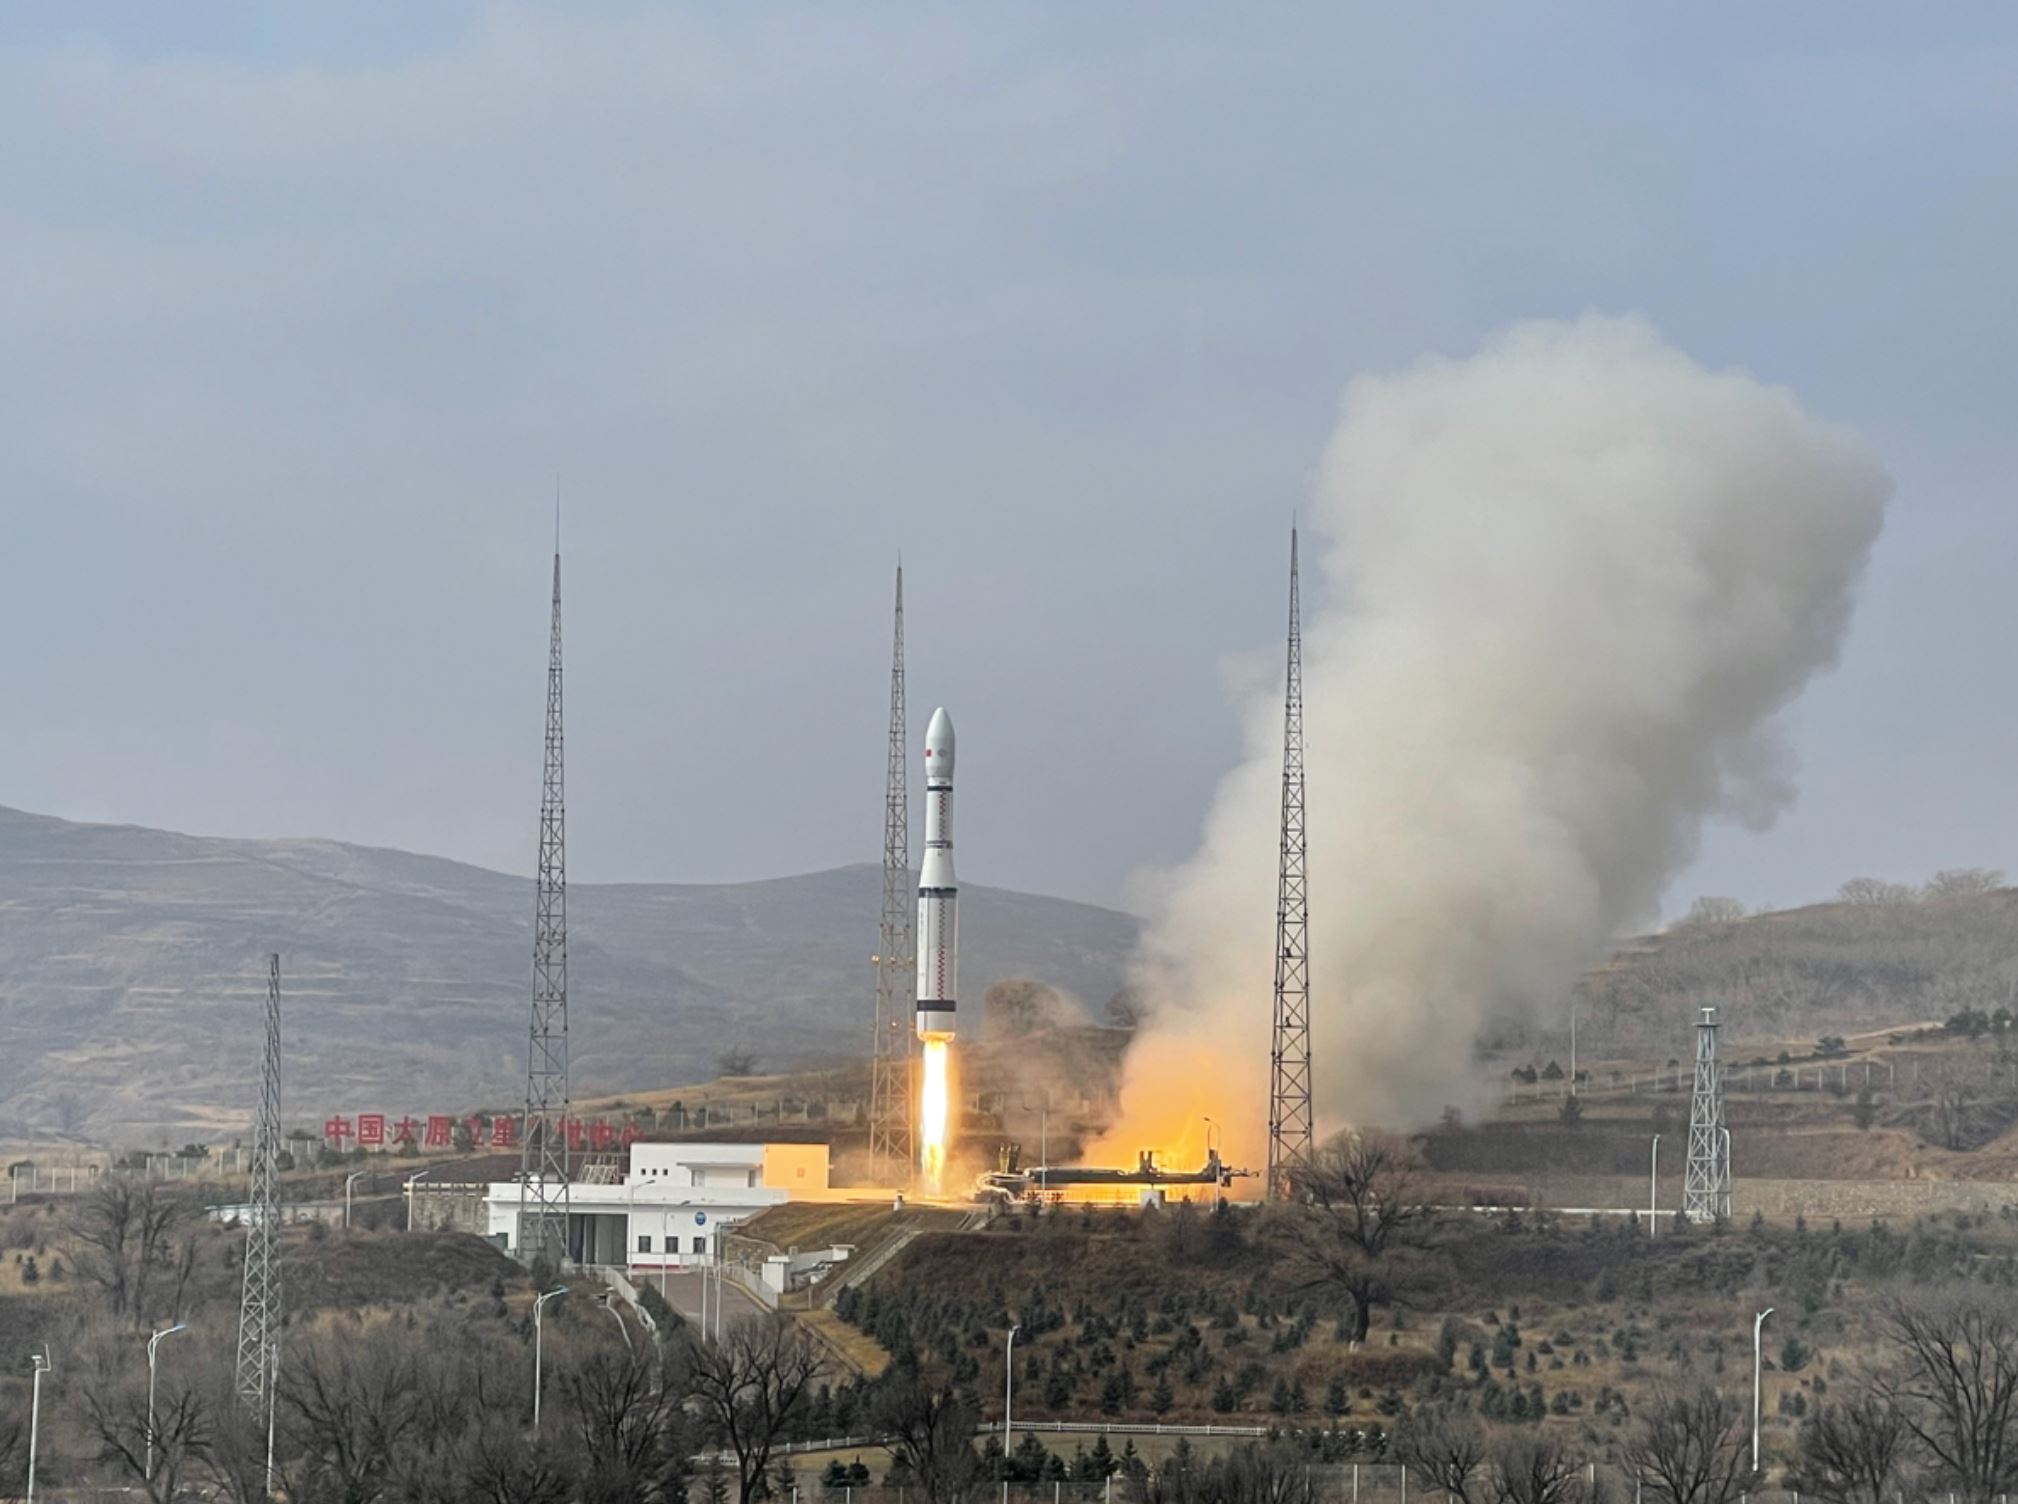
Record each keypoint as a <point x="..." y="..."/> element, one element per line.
<point x="303" y="308"/>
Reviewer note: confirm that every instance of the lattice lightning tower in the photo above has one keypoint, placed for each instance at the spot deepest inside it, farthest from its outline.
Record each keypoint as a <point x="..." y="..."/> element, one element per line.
<point x="891" y="1139"/>
<point x="259" y="1300"/>
<point x="1706" y="1181"/>
<point x="1289" y="1053"/>
<point x="543" y="1161"/>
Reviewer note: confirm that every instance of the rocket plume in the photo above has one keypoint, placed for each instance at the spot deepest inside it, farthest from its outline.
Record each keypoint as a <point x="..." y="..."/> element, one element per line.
<point x="934" y="1101"/>
<point x="1570" y="581"/>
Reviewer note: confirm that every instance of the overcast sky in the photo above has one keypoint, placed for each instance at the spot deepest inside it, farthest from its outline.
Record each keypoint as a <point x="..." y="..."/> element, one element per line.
<point x="302" y="309"/>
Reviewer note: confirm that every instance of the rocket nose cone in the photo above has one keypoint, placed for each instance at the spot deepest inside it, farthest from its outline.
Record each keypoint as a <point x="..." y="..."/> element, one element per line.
<point x="939" y="745"/>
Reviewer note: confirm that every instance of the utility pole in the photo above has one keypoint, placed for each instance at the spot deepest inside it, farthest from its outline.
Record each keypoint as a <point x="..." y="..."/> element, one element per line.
<point x="891" y="1141"/>
<point x="1289" y="1049"/>
<point x="543" y="1142"/>
<point x="259" y="1297"/>
<point x="1706" y="1178"/>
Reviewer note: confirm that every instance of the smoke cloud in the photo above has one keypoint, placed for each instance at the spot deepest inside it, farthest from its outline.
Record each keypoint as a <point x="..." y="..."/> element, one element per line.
<point x="1565" y="585"/>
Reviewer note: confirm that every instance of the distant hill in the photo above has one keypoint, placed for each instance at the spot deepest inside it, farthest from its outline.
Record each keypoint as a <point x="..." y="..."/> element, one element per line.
<point x="132" y="975"/>
<point x="1893" y="957"/>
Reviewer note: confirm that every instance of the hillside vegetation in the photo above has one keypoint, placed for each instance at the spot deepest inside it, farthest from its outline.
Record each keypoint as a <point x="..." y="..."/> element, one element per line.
<point x="1878" y="958"/>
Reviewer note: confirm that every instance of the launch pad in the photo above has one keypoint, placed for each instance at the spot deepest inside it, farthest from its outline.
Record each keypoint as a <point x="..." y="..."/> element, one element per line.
<point x="1012" y="1183"/>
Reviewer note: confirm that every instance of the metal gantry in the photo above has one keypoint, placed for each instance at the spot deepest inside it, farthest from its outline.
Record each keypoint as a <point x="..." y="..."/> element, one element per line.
<point x="543" y="1152"/>
<point x="892" y="1139"/>
<point x="1706" y="1179"/>
<point x="259" y="1299"/>
<point x="1289" y="1115"/>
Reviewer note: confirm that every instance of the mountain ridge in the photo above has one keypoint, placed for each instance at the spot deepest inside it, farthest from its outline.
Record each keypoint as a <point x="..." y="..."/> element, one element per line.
<point x="131" y="973"/>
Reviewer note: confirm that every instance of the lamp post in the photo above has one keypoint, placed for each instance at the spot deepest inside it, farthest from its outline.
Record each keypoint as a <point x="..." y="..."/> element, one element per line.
<point x="153" y="1343"/>
<point x="610" y="1305"/>
<point x="42" y="1366"/>
<point x="1009" y="1390"/>
<point x="539" y="1349"/>
<point x="348" y="1181"/>
<point x="412" y="1180"/>
<point x="1758" y="1328"/>
<point x="1653" y="1190"/>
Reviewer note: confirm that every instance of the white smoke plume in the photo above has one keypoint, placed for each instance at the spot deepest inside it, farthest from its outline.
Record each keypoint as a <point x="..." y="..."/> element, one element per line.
<point x="1566" y="584"/>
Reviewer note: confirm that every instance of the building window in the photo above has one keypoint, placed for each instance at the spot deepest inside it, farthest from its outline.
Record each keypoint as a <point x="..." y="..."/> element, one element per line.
<point x="644" y="1242"/>
<point x="700" y="1245"/>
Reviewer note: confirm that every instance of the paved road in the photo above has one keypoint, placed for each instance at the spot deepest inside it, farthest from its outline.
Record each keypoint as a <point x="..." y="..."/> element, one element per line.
<point x="683" y="1294"/>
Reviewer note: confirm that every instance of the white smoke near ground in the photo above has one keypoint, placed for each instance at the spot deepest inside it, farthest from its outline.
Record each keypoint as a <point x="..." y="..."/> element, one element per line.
<point x="1566" y="583"/>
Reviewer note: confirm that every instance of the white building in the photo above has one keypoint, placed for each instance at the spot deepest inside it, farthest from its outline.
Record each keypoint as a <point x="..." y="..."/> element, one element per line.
<point x="674" y="1202"/>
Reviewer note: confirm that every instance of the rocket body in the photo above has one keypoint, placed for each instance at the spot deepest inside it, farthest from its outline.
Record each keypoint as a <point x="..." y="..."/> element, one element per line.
<point x="938" y="892"/>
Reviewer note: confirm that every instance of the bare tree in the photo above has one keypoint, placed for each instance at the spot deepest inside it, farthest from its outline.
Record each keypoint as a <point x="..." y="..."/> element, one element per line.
<point x="1956" y="1387"/>
<point x="1278" y="1473"/>
<point x="749" y="1384"/>
<point x="351" y="1407"/>
<point x="13" y="1458"/>
<point x="1856" y="1452"/>
<point x="1964" y="882"/>
<point x="1871" y="892"/>
<point x="1692" y="1449"/>
<point x="1446" y="1448"/>
<point x="625" y="1420"/>
<point x="1358" y="1212"/>
<point x="1710" y="911"/>
<point x="182" y="1437"/>
<point x="1537" y="1470"/>
<point x="931" y="1430"/>
<point x="500" y="1464"/>
<point x="128" y="1231"/>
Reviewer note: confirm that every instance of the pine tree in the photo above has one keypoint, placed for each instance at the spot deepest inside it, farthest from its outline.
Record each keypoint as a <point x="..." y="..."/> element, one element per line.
<point x="1132" y="1465"/>
<point x="1161" y="1398"/>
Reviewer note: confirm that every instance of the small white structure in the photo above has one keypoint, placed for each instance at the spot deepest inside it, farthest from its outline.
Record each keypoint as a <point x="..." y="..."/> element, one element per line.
<point x="674" y="1202"/>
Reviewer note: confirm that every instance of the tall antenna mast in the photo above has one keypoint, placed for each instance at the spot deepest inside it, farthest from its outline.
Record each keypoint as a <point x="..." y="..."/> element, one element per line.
<point x="543" y="1161"/>
<point x="891" y="1140"/>
<point x="1289" y="1048"/>
<point x="259" y="1300"/>
<point x="1706" y="1179"/>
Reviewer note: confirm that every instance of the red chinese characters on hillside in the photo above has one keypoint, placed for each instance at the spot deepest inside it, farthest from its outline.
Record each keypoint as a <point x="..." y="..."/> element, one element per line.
<point x="375" y="1130"/>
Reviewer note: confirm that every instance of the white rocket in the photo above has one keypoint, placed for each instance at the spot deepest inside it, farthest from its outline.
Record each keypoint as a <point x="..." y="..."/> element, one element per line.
<point x="938" y="894"/>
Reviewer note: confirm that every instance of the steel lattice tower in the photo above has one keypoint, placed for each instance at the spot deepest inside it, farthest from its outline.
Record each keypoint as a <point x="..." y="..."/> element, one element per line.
<point x="1706" y="1181"/>
<point x="259" y="1302"/>
<point x="1289" y="1050"/>
<point x="543" y="1161"/>
<point x="891" y="1138"/>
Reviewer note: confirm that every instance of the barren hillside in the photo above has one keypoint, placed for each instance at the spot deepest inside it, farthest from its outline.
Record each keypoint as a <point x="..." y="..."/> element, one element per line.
<point x="132" y="974"/>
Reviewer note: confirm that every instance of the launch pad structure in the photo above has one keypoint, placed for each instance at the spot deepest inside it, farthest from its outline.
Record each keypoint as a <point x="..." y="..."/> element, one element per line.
<point x="1706" y="1178"/>
<point x="1289" y="1115"/>
<point x="893" y="1153"/>
<point x="543" y="1142"/>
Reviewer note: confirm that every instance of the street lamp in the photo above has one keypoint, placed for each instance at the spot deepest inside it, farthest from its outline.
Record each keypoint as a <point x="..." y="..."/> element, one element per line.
<point x="539" y="1335"/>
<point x="42" y="1366"/>
<point x="1653" y="1190"/>
<point x="1758" y="1327"/>
<point x="1009" y="1389"/>
<point x="411" y="1180"/>
<point x="153" y="1343"/>
<point x="348" y="1181"/>
<point x="610" y="1305"/>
